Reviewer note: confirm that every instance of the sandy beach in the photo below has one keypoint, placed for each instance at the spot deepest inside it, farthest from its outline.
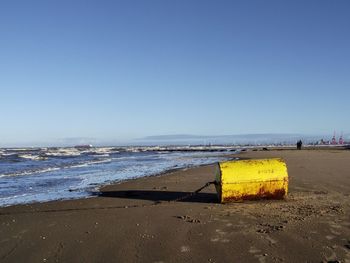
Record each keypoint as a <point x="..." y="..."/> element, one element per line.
<point x="139" y="221"/>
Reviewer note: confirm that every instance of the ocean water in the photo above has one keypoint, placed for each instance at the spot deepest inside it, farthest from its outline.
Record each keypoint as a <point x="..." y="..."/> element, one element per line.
<point x="43" y="174"/>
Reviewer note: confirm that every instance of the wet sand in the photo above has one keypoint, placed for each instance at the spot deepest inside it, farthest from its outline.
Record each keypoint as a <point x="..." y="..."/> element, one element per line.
<point x="137" y="221"/>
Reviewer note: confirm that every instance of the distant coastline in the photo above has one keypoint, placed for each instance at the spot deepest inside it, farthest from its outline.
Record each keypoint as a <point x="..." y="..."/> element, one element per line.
<point x="261" y="139"/>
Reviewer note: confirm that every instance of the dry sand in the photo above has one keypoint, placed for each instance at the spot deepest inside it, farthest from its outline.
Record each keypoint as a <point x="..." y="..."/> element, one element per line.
<point x="134" y="222"/>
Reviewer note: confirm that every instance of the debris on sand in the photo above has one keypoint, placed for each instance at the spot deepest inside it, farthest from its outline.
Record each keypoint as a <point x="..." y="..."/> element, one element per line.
<point x="188" y="219"/>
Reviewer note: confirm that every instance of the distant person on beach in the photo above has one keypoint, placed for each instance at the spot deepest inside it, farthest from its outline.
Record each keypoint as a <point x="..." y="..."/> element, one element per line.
<point x="299" y="144"/>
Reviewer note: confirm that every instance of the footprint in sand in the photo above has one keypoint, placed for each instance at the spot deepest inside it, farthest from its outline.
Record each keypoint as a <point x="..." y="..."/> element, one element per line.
<point x="335" y="225"/>
<point x="253" y="250"/>
<point x="185" y="249"/>
<point x="271" y="240"/>
<point x="334" y="232"/>
<point x="346" y="223"/>
<point x="331" y="257"/>
<point x="261" y="258"/>
<point x="220" y="237"/>
<point x="330" y="237"/>
<point x="347" y="245"/>
<point x="335" y="228"/>
<point x="257" y="254"/>
<point x="220" y="232"/>
<point x="221" y="240"/>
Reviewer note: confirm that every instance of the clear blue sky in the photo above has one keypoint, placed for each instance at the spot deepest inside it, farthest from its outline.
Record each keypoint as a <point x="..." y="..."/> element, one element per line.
<point x="116" y="70"/>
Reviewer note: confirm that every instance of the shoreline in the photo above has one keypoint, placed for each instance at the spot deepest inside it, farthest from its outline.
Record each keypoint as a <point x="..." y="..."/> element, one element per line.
<point x="100" y="189"/>
<point x="134" y="221"/>
<point x="164" y="173"/>
<point x="67" y="183"/>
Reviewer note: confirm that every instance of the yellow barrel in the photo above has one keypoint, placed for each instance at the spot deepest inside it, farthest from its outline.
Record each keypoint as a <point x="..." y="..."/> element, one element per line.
<point x="251" y="179"/>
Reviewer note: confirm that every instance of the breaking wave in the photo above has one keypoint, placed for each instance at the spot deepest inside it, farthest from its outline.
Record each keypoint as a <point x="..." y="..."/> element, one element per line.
<point x="43" y="174"/>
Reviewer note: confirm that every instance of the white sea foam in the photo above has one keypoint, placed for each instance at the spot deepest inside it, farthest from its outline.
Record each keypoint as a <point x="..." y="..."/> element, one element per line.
<point x="50" y="169"/>
<point x="63" y="152"/>
<point x="104" y="150"/>
<point x="101" y="155"/>
<point x="45" y="170"/>
<point x="91" y="163"/>
<point x="9" y="154"/>
<point x="32" y="157"/>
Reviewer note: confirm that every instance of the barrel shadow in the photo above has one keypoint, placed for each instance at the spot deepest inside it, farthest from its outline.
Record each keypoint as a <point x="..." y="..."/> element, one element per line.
<point x="159" y="196"/>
